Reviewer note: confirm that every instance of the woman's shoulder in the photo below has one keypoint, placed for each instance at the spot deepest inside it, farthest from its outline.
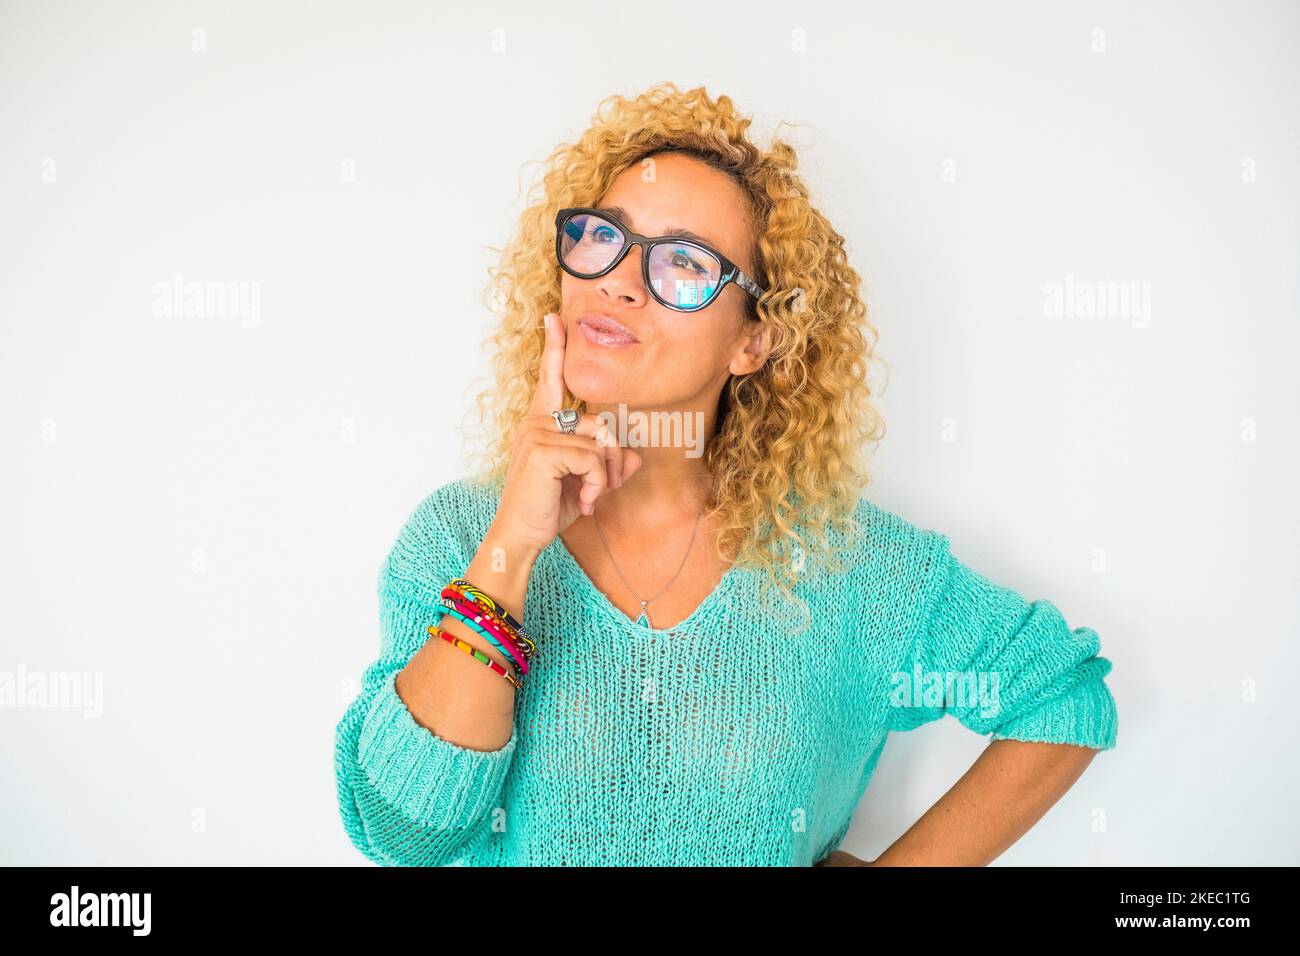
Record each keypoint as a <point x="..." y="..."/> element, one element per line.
<point x="447" y="524"/>
<point x="461" y="498"/>
<point x="882" y="527"/>
<point x="883" y="543"/>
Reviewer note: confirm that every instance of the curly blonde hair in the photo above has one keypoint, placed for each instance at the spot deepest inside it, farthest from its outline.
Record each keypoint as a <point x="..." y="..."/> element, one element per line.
<point x="789" y="450"/>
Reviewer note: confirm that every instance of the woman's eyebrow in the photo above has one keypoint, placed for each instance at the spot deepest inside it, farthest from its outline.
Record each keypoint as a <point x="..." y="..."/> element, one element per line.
<point x="678" y="232"/>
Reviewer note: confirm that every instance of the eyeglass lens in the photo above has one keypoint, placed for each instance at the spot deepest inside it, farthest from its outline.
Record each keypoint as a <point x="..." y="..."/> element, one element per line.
<point x="681" y="273"/>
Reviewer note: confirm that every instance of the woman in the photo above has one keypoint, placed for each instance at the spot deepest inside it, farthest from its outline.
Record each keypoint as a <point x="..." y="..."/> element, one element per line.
<point x="583" y="661"/>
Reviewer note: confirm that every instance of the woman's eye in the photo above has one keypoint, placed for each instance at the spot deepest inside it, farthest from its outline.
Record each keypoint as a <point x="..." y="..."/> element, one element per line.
<point x="604" y="234"/>
<point x="684" y="261"/>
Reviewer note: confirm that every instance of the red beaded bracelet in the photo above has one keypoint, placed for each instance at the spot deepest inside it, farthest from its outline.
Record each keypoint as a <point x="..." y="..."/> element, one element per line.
<point x="475" y="653"/>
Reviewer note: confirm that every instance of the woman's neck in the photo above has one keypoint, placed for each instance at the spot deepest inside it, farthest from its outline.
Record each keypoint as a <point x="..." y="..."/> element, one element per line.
<point x="663" y="492"/>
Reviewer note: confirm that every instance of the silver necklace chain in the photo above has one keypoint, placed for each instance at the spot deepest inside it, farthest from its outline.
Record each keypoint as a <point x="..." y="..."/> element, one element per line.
<point x="644" y="615"/>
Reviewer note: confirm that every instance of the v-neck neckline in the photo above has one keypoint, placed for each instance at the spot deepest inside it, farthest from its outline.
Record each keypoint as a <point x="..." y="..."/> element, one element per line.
<point x="608" y="607"/>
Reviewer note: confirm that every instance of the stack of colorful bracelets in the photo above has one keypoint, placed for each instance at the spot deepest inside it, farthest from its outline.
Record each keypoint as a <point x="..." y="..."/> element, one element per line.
<point x="470" y="605"/>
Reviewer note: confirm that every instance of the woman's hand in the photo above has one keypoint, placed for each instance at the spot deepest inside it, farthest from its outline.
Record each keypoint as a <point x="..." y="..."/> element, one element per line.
<point x="840" y="858"/>
<point x="553" y="477"/>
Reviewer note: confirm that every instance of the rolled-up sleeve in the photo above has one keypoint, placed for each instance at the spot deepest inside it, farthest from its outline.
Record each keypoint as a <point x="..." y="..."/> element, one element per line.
<point x="1002" y="665"/>
<point x="407" y="796"/>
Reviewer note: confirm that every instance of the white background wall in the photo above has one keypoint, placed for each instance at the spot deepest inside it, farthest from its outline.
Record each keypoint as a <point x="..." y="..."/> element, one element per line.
<point x="195" y="509"/>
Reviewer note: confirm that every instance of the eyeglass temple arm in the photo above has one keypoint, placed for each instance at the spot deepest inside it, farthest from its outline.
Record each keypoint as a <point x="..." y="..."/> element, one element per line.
<point x="748" y="284"/>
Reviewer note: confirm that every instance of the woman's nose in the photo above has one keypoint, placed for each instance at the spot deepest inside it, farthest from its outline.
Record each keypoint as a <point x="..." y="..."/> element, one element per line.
<point x="625" y="279"/>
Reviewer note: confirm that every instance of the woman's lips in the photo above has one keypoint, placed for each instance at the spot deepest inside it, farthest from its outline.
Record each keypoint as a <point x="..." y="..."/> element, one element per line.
<point x="598" y="336"/>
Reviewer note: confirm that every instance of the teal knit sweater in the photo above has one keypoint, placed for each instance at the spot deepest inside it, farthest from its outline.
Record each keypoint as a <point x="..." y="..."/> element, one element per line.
<point x="727" y="739"/>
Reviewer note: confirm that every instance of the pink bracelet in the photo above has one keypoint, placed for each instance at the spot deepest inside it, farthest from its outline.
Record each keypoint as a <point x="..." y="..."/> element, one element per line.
<point x="474" y="616"/>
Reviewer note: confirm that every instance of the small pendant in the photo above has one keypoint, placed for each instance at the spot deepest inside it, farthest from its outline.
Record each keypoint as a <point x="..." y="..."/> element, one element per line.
<point x="644" y="619"/>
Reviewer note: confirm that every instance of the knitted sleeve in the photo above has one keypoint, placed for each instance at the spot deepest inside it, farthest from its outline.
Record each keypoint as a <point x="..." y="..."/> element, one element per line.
<point x="407" y="796"/>
<point x="1002" y="665"/>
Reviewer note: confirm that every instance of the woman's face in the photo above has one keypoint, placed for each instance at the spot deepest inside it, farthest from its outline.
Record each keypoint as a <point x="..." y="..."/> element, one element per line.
<point x="680" y="359"/>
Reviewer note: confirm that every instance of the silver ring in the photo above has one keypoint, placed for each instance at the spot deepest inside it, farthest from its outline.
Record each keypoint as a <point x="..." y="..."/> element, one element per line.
<point x="566" y="420"/>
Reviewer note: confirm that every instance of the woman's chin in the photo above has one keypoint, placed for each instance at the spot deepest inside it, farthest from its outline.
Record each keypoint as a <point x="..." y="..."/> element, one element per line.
<point x="600" y="398"/>
<point x="594" y="388"/>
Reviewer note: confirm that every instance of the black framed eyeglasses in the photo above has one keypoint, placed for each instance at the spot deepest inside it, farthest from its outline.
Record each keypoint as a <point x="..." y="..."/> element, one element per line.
<point x="683" y="274"/>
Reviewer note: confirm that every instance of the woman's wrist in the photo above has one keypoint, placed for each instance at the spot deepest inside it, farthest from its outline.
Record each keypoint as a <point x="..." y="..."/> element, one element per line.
<point x="501" y="568"/>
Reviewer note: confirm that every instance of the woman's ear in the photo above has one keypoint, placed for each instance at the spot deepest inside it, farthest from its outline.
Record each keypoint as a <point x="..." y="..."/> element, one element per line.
<point x="754" y="350"/>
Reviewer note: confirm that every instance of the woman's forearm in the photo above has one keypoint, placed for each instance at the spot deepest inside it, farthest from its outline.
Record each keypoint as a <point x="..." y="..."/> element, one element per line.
<point x="1004" y="793"/>
<point x="456" y="697"/>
